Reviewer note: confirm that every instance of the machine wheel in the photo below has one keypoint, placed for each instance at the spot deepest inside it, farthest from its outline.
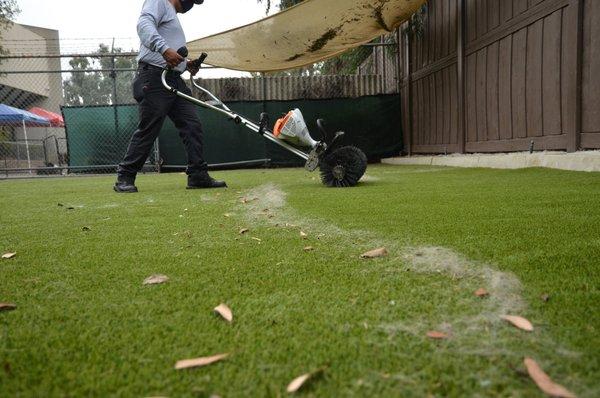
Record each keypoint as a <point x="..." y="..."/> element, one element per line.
<point x="343" y="167"/>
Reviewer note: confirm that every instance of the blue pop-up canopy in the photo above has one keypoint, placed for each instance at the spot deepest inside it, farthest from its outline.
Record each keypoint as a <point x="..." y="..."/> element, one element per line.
<point x="10" y="116"/>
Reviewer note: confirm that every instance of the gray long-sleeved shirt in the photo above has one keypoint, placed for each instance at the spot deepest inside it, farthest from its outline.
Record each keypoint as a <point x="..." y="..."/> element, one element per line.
<point x="159" y="29"/>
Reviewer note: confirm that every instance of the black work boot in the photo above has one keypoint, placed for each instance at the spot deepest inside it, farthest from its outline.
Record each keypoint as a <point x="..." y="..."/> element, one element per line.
<point x="203" y="180"/>
<point x="125" y="184"/>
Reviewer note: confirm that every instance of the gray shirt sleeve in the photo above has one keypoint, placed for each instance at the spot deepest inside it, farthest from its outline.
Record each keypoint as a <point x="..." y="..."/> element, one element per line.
<point x="152" y="15"/>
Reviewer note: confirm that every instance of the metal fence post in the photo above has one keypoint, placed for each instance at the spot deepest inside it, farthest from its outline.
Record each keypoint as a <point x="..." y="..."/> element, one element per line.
<point x="113" y="75"/>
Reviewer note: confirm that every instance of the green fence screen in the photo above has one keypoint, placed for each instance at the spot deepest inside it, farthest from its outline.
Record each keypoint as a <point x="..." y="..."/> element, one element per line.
<point x="99" y="135"/>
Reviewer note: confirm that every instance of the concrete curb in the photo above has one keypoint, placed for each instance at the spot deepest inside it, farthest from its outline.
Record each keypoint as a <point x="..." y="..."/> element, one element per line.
<point x="577" y="161"/>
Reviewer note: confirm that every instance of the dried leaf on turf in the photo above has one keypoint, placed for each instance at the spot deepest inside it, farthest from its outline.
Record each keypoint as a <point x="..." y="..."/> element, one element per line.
<point x="226" y="215"/>
<point x="224" y="311"/>
<point x="198" y="362"/>
<point x="7" y="307"/>
<point x="6" y="256"/>
<point x="303" y="234"/>
<point x="481" y="292"/>
<point x="308" y="249"/>
<point x="544" y="382"/>
<point x="296" y="384"/>
<point x="156" y="279"/>
<point x="381" y="252"/>
<point x="519" y="322"/>
<point x="434" y="334"/>
<point x="545" y="298"/>
<point x="257" y="239"/>
<point x="244" y="230"/>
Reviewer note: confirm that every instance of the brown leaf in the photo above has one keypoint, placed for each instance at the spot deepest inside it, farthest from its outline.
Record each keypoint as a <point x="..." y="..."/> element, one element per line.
<point x="434" y="334"/>
<point x="545" y="298"/>
<point x="7" y="307"/>
<point x="544" y="382"/>
<point x="303" y="235"/>
<point x="296" y="384"/>
<point x="224" y="311"/>
<point x="308" y="249"/>
<point x="226" y="215"/>
<point x="518" y="322"/>
<point x="481" y="292"/>
<point x="198" y="362"/>
<point x="8" y="255"/>
<point x="381" y="252"/>
<point x="156" y="279"/>
<point x="244" y="230"/>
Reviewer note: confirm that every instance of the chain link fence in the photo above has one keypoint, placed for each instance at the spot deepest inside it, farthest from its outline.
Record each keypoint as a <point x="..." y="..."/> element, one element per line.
<point x="88" y="112"/>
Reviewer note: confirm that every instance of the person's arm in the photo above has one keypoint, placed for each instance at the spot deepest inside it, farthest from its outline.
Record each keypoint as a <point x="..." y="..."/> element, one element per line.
<point x="152" y="14"/>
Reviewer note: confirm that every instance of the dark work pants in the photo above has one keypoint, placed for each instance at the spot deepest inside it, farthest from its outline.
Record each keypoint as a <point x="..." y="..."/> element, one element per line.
<point x="155" y="103"/>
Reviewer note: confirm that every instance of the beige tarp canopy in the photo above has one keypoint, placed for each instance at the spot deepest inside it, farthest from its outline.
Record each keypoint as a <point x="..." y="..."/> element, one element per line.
<point x="310" y="32"/>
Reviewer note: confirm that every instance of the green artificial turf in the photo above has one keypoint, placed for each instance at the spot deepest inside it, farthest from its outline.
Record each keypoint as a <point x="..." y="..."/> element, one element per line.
<point x="86" y="326"/>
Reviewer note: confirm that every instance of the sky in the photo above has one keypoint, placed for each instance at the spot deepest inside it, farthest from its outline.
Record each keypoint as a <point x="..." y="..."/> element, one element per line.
<point x="84" y="24"/>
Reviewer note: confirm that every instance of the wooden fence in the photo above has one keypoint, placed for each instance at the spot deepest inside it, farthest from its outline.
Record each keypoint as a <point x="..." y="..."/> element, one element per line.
<point x="299" y="87"/>
<point x="503" y="75"/>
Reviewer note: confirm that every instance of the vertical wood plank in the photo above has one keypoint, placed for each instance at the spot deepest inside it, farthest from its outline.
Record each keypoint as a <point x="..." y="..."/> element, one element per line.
<point x="426" y="111"/>
<point x="519" y="107"/>
<point x="431" y="12"/>
<point x="454" y="105"/>
<point x="551" y="74"/>
<point x="482" y="26"/>
<point x="461" y="126"/>
<point x="404" y="57"/>
<point x="432" y="110"/>
<point x="493" y="13"/>
<point x="471" y="20"/>
<point x="422" y="104"/>
<point x="492" y="92"/>
<point x="417" y="109"/>
<point x="590" y="102"/>
<point x="471" y="98"/>
<point x="439" y="93"/>
<point x="504" y="88"/>
<point x="519" y="6"/>
<point x="506" y="10"/>
<point x="452" y="23"/>
<point x="571" y="69"/>
<point x="447" y="107"/>
<point x="481" y="76"/>
<point x="440" y="33"/>
<point x="533" y="75"/>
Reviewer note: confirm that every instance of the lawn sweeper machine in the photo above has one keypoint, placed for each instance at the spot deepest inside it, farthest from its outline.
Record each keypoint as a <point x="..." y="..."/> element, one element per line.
<point x="340" y="166"/>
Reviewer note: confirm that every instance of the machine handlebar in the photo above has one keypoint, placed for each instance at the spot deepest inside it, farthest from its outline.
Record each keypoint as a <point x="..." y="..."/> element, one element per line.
<point x="183" y="51"/>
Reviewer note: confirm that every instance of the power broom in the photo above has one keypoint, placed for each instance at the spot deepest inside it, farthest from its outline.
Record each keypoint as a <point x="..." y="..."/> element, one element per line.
<point x="340" y="166"/>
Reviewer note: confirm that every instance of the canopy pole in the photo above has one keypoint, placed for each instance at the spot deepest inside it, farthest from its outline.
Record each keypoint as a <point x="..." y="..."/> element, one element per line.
<point x="27" y="147"/>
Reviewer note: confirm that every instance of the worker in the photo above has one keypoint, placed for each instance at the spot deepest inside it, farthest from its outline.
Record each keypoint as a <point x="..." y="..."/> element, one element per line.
<point x="160" y="34"/>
